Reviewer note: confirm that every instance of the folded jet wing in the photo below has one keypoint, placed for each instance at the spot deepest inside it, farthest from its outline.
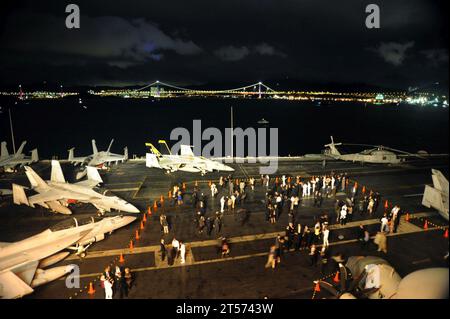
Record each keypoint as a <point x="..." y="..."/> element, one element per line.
<point x="436" y="196"/>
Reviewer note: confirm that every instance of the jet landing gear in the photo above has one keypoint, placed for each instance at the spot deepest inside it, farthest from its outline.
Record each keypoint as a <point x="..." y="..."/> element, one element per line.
<point x="80" y="250"/>
<point x="101" y="213"/>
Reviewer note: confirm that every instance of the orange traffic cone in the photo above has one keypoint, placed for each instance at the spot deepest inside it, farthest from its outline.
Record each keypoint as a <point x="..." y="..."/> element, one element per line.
<point x="336" y="277"/>
<point x="131" y="245"/>
<point x="149" y="211"/>
<point x="137" y="235"/>
<point x="446" y="233"/>
<point x="407" y="217"/>
<point x="144" y="219"/>
<point x="276" y="180"/>
<point x="169" y="194"/>
<point x="196" y="183"/>
<point x="209" y="183"/>
<point x="91" y="290"/>
<point x="142" y="225"/>
<point x="162" y="199"/>
<point x="155" y="206"/>
<point x="364" y="190"/>
<point x="121" y="259"/>
<point x="289" y="180"/>
<point x="425" y="225"/>
<point x="317" y="287"/>
<point x="184" y="186"/>
<point x="386" y="204"/>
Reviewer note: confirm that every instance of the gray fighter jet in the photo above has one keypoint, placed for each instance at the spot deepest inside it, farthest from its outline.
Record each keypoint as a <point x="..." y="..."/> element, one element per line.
<point x="23" y="263"/>
<point x="56" y="194"/>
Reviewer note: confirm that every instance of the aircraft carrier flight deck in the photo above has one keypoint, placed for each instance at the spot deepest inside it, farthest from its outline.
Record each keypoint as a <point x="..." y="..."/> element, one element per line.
<point x="206" y="274"/>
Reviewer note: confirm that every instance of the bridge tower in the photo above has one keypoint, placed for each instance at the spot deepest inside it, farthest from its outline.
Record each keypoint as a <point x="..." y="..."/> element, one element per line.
<point x="259" y="90"/>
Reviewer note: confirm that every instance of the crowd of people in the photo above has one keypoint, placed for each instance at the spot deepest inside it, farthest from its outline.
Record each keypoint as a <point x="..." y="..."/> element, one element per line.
<point x="116" y="283"/>
<point x="283" y="195"/>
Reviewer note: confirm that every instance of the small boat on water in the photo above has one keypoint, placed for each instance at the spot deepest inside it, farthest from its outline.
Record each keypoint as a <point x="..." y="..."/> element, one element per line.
<point x="263" y="121"/>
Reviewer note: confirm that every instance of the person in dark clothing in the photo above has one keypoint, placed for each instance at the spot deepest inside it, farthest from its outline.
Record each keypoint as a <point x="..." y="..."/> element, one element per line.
<point x="323" y="260"/>
<point x="268" y="212"/>
<point x="122" y="287"/>
<point x="162" y="250"/>
<point x="194" y="199"/>
<point x="363" y="236"/>
<point x="298" y="238"/>
<point x="318" y="200"/>
<point x="377" y="199"/>
<point x="307" y="237"/>
<point x="209" y="226"/>
<point x="289" y="236"/>
<point x="217" y="223"/>
<point x="313" y="256"/>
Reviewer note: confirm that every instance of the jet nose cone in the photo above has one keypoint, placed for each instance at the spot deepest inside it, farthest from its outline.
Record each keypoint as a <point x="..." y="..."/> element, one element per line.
<point x="132" y="209"/>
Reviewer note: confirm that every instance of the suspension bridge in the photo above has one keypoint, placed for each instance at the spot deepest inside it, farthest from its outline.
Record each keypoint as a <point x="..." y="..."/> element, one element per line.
<point x="158" y="88"/>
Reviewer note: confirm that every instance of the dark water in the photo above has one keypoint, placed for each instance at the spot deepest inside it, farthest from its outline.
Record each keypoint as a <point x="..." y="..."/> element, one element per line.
<point x="56" y="125"/>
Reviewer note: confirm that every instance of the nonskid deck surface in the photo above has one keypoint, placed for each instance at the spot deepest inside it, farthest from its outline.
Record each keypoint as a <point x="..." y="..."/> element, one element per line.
<point x="205" y="274"/>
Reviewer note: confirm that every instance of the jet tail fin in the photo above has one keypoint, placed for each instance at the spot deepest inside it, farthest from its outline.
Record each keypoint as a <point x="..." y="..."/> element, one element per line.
<point x="4" y="152"/>
<point x="153" y="149"/>
<point x="35" y="179"/>
<point x="20" y="150"/>
<point x="94" y="147"/>
<point x="57" y="174"/>
<point x="186" y="150"/>
<point x="151" y="160"/>
<point x="93" y="175"/>
<point x="34" y="155"/>
<point x="110" y="144"/>
<point x="71" y="154"/>
<point x="19" y="196"/>
<point x="164" y="147"/>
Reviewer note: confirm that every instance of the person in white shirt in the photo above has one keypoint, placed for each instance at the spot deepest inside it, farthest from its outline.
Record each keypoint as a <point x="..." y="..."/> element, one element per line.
<point x="283" y="179"/>
<point x="233" y="201"/>
<point x="213" y="190"/>
<point x="313" y="185"/>
<point x="326" y="233"/>
<point x="252" y="183"/>
<point x="175" y="247"/>
<point x="343" y="215"/>
<point x="384" y="224"/>
<point x="305" y="189"/>
<point x="183" y="253"/>
<point x="108" y="284"/>
<point x="222" y="204"/>
<point x="308" y="189"/>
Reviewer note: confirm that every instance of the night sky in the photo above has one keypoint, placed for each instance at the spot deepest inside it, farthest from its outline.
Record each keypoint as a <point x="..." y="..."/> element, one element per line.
<point x="203" y="41"/>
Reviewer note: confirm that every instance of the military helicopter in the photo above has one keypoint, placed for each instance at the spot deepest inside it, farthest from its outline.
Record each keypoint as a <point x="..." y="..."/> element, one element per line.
<point x="371" y="277"/>
<point x="377" y="154"/>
